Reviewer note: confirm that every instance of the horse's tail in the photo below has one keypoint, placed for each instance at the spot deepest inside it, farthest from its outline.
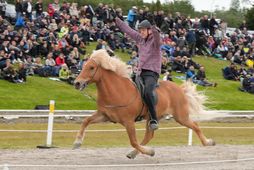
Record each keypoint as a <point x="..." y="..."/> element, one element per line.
<point x="196" y="99"/>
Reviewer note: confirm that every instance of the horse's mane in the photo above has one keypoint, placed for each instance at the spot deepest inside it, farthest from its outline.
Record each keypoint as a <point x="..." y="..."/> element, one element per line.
<point x="110" y="63"/>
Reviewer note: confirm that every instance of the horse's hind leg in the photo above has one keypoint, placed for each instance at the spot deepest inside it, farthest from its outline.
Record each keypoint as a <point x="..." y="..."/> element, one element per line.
<point x="194" y="126"/>
<point x="148" y="136"/>
<point x="95" y="118"/>
<point x="130" y="127"/>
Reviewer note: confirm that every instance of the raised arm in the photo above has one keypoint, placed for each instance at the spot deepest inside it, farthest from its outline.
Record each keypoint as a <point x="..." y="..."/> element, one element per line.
<point x="128" y="30"/>
<point x="156" y="35"/>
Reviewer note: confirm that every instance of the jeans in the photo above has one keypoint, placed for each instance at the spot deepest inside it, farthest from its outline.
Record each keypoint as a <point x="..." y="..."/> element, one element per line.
<point x="150" y="79"/>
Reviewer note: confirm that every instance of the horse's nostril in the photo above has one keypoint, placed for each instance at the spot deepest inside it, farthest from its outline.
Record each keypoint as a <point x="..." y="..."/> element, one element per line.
<point x="77" y="85"/>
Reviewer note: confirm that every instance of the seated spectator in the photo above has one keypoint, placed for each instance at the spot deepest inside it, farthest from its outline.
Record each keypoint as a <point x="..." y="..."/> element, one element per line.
<point x="64" y="73"/>
<point x="22" y="72"/>
<point x="134" y="58"/>
<point x="231" y="73"/>
<point x="60" y="60"/>
<point x="9" y="73"/>
<point x="50" y="65"/>
<point x="168" y="76"/>
<point x="201" y="77"/>
<point x="191" y="75"/>
<point x="247" y="84"/>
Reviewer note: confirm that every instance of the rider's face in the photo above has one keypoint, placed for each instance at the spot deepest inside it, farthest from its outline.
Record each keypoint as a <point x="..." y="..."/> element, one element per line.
<point x="144" y="32"/>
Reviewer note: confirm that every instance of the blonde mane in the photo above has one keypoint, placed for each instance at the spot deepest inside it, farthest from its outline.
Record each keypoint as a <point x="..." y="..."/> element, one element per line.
<point x="110" y="63"/>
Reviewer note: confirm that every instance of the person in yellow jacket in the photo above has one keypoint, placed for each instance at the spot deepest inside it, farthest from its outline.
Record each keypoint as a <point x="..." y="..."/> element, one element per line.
<point x="64" y="73"/>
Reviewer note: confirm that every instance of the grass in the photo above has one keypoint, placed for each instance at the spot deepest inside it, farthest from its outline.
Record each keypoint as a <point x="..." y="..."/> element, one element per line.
<point x="176" y="137"/>
<point x="38" y="91"/>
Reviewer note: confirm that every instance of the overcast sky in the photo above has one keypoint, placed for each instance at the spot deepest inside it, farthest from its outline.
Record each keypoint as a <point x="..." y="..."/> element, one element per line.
<point x="209" y="5"/>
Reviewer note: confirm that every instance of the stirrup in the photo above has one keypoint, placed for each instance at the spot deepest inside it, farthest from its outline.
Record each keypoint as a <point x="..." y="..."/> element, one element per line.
<point x="153" y="124"/>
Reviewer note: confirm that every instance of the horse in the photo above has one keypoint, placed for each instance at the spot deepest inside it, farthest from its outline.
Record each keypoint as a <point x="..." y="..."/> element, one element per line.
<point x="119" y="101"/>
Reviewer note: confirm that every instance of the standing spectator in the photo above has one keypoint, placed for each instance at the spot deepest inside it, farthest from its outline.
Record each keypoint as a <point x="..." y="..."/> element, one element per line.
<point x="243" y="25"/>
<point x="38" y="8"/>
<point x="213" y="24"/>
<point x="99" y="11"/>
<point x="2" y="7"/>
<point x="223" y="26"/>
<point x="51" y="10"/>
<point x="18" y="8"/>
<point x="132" y="16"/>
<point x="74" y="10"/>
<point x="191" y="41"/>
<point x="28" y="9"/>
<point x="56" y="5"/>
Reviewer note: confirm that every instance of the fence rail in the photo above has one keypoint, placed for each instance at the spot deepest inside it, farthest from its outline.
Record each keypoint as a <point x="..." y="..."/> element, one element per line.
<point x="13" y="114"/>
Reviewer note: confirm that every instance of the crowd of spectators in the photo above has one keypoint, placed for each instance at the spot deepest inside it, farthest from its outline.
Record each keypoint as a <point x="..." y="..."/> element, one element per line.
<point x="54" y="40"/>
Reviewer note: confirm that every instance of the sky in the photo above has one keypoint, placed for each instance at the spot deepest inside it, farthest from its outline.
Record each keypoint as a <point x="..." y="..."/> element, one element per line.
<point x="209" y="5"/>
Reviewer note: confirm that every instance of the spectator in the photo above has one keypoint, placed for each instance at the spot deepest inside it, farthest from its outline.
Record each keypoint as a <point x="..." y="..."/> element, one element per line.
<point x="201" y="78"/>
<point x="168" y="76"/>
<point x="64" y="73"/>
<point x="28" y="9"/>
<point x="3" y="4"/>
<point x="60" y="60"/>
<point x="132" y="16"/>
<point x="230" y="72"/>
<point x="38" y="7"/>
<point x="18" y="8"/>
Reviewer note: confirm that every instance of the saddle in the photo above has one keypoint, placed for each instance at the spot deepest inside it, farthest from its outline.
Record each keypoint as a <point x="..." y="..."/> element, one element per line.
<point x="141" y="87"/>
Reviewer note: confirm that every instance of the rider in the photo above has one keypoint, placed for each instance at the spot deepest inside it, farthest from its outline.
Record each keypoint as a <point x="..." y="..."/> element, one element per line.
<point x="148" y="40"/>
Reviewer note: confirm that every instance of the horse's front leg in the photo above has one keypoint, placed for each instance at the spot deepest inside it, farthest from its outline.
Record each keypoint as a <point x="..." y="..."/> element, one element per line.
<point x="95" y="118"/>
<point x="148" y="136"/>
<point x="130" y="127"/>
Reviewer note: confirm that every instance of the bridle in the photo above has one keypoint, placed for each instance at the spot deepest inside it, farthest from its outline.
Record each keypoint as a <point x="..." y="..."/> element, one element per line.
<point x="108" y="106"/>
<point x="97" y="67"/>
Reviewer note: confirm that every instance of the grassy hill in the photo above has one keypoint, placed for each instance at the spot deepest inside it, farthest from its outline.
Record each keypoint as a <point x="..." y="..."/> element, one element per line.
<point x="38" y="91"/>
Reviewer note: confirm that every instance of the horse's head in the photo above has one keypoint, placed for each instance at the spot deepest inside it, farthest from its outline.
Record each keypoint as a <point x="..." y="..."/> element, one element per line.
<point x="88" y="74"/>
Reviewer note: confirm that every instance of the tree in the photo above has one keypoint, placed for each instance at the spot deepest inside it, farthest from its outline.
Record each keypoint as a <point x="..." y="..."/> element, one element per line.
<point x="158" y="5"/>
<point x="235" y="5"/>
<point x="249" y="17"/>
<point x="183" y="6"/>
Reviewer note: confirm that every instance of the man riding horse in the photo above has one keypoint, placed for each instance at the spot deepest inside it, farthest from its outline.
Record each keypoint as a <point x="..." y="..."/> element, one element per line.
<point x="148" y="40"/>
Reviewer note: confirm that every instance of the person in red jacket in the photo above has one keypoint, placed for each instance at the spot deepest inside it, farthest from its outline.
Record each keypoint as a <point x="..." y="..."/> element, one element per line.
<point x="60" y="60"/>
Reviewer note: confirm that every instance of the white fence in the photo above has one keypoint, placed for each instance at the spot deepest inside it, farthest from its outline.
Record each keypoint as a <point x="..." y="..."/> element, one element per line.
<point x="15" y="114"/>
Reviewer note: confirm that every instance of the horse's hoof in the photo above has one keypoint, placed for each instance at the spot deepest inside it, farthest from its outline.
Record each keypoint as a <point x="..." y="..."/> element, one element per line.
<point x="76" y="145"/>
<point x="211" y="142"/>
<point x="132" y="154"/>
<point x="152" y="152"/>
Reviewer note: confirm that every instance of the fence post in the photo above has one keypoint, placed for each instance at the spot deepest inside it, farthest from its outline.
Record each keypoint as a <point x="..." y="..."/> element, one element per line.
<point x="190" y="137"/>
<point x="50" y="122"/>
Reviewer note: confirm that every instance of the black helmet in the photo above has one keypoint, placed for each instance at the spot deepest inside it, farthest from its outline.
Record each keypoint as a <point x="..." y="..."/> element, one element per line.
<point x="144" y="24"/>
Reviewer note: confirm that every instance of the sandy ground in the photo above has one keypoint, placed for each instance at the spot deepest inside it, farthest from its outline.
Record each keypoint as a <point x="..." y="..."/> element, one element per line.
<point x="221" y="157"/>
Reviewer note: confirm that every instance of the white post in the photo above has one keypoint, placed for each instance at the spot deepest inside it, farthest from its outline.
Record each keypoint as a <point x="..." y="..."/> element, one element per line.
<point x="50" y="123"/>
<point x="190" y="137"/>
<point x="6" y="167"/>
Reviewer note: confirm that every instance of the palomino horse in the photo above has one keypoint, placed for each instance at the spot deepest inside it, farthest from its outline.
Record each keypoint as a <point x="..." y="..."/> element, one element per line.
<point x="119" y="101"/>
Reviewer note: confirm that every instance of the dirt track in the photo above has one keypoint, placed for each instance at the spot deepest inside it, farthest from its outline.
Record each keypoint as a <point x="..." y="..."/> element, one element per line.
<point x="182" y="157"/>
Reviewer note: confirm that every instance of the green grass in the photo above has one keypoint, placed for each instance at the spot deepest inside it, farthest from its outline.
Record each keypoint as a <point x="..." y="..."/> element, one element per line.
<point x="176" y="137"/>
<point x="38" y="91"/>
